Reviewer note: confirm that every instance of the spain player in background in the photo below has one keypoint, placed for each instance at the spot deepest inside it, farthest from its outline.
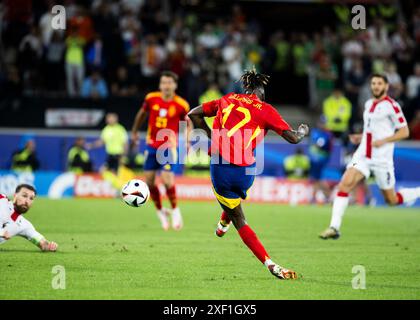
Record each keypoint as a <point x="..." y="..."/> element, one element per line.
<point x="241" y="122"/>
<point x="165" y="110"/>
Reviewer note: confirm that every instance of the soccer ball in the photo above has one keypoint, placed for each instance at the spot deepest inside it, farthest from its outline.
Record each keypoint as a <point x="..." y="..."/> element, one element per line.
<point x="135" y="193"/>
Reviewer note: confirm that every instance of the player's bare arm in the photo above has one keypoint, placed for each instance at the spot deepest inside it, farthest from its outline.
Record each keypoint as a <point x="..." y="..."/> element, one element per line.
<point x="46" y="245"/>
<point x="138" y="122"/>
<point x="197" y="117"/>
<point x="296" y="136"/>
<point x="400" y="134"/>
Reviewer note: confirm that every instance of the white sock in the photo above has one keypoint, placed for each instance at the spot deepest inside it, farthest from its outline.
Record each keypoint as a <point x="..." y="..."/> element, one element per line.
<point x="340" y="204"/>
<point x="409" y="194"/>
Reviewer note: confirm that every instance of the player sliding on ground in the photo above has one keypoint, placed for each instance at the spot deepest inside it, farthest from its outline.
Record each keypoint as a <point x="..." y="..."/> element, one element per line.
<point x="241" y="122"/>
<point x="384" y="124"/>
<point x="12" y="223"/>
<point x="165" y="110"/>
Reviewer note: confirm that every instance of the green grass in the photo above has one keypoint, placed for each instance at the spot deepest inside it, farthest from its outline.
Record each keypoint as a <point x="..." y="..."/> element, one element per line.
<point x="112" y="251"/>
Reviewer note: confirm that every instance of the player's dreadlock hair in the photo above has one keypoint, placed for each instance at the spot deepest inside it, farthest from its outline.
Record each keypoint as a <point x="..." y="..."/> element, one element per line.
<point x="253" y="81"/>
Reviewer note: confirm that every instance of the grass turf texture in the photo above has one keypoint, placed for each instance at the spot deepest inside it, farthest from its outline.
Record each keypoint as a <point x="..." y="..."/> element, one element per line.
<point x="112" y="251"/>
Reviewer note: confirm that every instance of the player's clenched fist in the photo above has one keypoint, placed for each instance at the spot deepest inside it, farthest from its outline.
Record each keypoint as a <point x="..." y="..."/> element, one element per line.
<point x="48" y="246"/>
<point x="303" y="129"/>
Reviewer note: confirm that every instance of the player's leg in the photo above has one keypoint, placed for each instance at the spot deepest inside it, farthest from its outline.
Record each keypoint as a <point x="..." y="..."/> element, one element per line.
<point x="223" y="225"/>
<point x="348" y="182"/>
<point x="151" y="166"/>
<point x="248" y="236"/>
<point x="168" y="178"/>
<point x="162" y="213"/>
<point x="386" y="181"/>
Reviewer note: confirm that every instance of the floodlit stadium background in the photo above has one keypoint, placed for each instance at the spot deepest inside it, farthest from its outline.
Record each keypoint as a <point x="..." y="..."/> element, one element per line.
<point x="308" y="48"/>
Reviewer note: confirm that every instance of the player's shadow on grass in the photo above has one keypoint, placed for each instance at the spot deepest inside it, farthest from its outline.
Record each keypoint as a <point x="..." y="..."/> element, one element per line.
<point x="368" y="285"/>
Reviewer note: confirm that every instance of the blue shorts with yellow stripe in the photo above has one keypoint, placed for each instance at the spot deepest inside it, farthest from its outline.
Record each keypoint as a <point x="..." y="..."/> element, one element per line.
<point x="231" y="183"/>
<point x="154" y="160"/>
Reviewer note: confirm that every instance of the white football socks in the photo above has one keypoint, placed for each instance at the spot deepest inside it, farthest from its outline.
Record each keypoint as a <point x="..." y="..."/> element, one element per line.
<point x="409" y="194"/>
<point x="340" y="204"/>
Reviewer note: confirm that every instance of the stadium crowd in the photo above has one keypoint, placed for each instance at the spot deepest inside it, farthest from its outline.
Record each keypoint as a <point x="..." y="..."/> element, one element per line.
<point x="118" y="48"/>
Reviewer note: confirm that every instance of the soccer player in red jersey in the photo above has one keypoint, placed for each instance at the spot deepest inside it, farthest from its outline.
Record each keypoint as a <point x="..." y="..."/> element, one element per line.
<point x="241" y="122"/>
<point x="165" y="110"/>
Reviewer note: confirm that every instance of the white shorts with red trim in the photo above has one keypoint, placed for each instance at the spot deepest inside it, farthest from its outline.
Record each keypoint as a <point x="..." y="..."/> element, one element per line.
<point x="383" y="173"/>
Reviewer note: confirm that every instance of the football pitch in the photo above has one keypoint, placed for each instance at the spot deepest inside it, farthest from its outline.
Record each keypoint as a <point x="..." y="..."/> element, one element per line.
<point x="111" y="251"/>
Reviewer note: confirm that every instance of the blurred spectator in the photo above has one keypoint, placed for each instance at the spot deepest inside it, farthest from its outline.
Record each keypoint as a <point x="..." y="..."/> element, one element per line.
<point x="123" y="86"/>
<point x="54" y="61"/>
<point x="403" y="49"/>
<point x="134" y="160"/>
<point x="253" y="52"/>
<point x="378" y="46"/>
<point x="415" y="126"/>
<point x="413" y="84"/>
<point x="115" y="138"/>
<point x="208" y="38"/>
<point x="320" y="148"/>
<point x="352" y="50"/>
<point x="25" y="159"/>
<point x="326" y="75"/>
<point x="78" y="160"/>
<point x="177" y="59"/>
<point x="30" y="54"/>
<point x="95" y="54"/>
<point x="353" y="83"/>
<point x="45" y="26"/>
<point x="416" y="25"/>
<point x="153" y="56"/>
<point x="378" y="43"/>
<point x="94" y="86"/>
<point x="337" y="112"/>
<point x="82" y="22"/>
<point x="75" y="64"/>
<point x="282" y="52"/>
<point x="386" y="10"/>
<point x="215" y="70"/>
<point x="11" y="87"/>
<point x="232" y="56"/>
<point x="395" y="83"/>
<point x="296" y="166"/>
<point x="212" y="93"/>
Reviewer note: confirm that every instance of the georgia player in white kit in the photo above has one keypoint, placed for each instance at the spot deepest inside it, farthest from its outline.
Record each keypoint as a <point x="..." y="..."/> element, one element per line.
<point x="384" y="124"/>
<point x="12" y="223"/>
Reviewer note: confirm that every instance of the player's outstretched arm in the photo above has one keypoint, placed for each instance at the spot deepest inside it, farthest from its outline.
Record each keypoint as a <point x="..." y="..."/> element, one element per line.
<point x="29" y="233"/>
<point x="197" y="117"/>
<point x="138" y="122"/>
<point x="296" y="136"/>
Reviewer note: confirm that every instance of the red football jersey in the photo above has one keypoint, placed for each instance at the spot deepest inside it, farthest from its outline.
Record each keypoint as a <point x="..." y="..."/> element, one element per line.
<point x="164" y="115"/>
<point x="241" y="123"/>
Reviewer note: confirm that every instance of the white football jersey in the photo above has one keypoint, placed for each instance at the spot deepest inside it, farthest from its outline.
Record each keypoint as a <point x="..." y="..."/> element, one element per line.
<point x="381" y="119"/>
<point x="15" y="224"/>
